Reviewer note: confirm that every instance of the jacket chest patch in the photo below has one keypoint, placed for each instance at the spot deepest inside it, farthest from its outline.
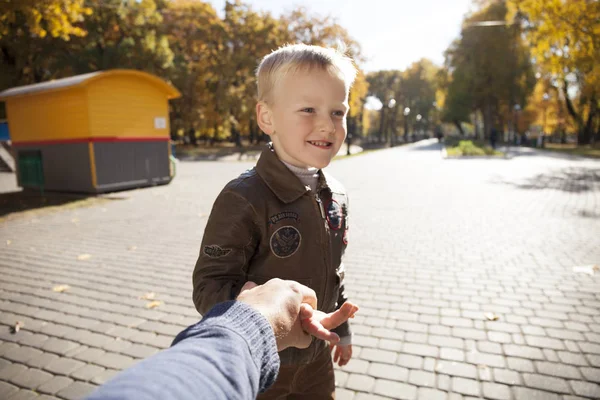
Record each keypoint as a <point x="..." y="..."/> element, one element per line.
<point x="335" y="216"/>
<point x="274" y="219"/>
<point x="285" y="241"/>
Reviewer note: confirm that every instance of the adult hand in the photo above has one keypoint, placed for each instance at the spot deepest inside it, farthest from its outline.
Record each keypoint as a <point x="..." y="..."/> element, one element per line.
<point x="320" y="323"/>
<point x="281" y="303"/>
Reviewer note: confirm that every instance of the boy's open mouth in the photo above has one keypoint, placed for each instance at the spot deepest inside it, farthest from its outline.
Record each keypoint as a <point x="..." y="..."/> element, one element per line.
<point x="320" y="144"/>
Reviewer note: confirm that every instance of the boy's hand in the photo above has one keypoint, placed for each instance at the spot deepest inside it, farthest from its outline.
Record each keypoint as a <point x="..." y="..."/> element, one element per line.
<point x="342" y="354"/>
<point x="320" y="324"/>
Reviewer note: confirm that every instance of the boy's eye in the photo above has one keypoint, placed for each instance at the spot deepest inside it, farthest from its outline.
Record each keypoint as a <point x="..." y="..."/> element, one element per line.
<point x="308" y="110"/>
<point x="339" y="113"/>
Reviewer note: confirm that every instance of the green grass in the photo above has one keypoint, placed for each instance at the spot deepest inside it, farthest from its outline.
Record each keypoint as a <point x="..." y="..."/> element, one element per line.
<point x="573" y="149"/>
<point x="468" y="148"/>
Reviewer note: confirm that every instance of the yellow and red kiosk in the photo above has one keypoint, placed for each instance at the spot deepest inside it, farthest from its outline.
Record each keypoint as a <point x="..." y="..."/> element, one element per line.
<point x="91" y="133"/>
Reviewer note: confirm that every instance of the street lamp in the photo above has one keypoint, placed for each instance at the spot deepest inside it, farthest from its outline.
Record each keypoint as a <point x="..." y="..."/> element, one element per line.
<point x="391" y="105"/>
<point x="516" y="127"/>
<point x="545" y="99"/>
<point x="419" y="127"/>
<point x="406" y="114"/>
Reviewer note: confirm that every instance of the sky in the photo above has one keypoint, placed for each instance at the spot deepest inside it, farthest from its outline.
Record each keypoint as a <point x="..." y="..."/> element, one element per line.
<point x="392" y="33"/>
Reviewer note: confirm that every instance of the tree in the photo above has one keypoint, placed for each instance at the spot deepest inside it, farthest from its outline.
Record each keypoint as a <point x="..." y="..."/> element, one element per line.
<point x="565" y="41"/>
<point x="490" y="68"/>
<point x="356" y="101"/>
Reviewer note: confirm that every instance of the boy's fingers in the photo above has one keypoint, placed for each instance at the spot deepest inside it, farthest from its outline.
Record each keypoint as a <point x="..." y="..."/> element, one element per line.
<point x="338" y="317"/>
<point x="318" y="331"/>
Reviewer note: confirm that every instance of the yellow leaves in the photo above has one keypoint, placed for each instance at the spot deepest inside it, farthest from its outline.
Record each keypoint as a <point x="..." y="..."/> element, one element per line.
<point x="84" y="257"/>
<point x="153" y="304"/>
<point x="16" y="327"/>
<point x="148" y="296"/>
<point x="491" y="316"/>
<point x="54" y="17"/>
<point x="61" y="288"/>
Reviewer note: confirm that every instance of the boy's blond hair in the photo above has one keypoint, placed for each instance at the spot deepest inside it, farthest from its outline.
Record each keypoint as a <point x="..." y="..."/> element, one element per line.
<point x="294" y="57"/>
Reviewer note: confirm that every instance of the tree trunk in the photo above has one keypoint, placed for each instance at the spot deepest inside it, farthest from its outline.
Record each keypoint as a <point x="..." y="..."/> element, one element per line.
<point x="459" y="126"/>
<point x="381" y="123"/>
<point x="487" y="119"/>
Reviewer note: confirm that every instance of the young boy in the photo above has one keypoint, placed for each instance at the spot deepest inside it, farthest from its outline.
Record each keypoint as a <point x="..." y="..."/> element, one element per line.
<point x="286" y="218"/>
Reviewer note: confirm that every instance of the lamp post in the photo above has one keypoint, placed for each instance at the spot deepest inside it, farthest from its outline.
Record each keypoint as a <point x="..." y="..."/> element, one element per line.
<point x="406" y="114"/>
<point x="516" y="128"/>
<point x="545" y="99"/>
<point x="392" y="133"/>
<point x="419" y="126"/>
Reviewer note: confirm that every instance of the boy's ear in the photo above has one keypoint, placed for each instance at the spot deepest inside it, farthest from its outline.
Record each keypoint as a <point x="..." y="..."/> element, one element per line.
<point x="264" y="118"/>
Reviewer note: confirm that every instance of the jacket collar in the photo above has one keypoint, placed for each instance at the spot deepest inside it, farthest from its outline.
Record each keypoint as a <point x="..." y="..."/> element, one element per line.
<point x="286" y="186"/>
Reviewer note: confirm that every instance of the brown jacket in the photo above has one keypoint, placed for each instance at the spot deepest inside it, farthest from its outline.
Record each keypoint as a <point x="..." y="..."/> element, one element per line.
<point x="266" y="224"/>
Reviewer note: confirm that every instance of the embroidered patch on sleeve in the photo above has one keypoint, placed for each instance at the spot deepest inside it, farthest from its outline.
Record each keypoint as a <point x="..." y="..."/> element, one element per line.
<point x="215" y="251"/>
<point x="274" y="219"/>
<point x="285" y="241"/>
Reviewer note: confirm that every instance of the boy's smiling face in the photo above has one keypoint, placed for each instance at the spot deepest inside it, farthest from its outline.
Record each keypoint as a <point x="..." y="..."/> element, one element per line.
<point x="306" y="117"/>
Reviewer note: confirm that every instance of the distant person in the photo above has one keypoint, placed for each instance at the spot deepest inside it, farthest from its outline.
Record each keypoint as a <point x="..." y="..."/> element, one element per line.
<point x="232" y="352"/>
<point x="439" y="134"/>
<point x="493" y="138"/>
<point x="286" y="218"/>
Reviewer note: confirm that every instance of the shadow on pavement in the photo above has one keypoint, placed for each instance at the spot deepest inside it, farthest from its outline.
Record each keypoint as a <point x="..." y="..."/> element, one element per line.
<point x="513" y="152"/>
<point x="573" y="180"/>
<point x="32" y="200"/>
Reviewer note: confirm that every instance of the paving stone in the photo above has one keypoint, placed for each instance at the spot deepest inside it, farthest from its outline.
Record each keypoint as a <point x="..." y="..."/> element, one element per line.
<point x="22" y="354"/>
<point x="368" y="396"/>
<point x="410" y="361"/>
<point x="594" y="360"/>
<point x="104" y="376"/>
<point x="356" y="366"/>
<point x="522" y="393"/>
<point x="141" y="351"/>
<point x="452" y="354"/>
<point x="64" y="366"/>
<point x="343" y="394"/>
<point x="538" y="341"/>
<point x="377" y="355"/>
<point x="532" y="353"/>
<point x="24" y="394"/>
<point x="557" y="370"/>
<point x="55" y="385"/>
<point x="431" y="394"/>
<point x="420" y="349"/>
<point x="76" y="391"/>
<point x="59" y="346"/>
<point x="546" y="382"/>
<point x="90" y="355"/>
<point x="340" y="378"/>
<point x="446" y="341"/>
<point x="572" y="358"/>
<point x="396" y="390"/>
<point x="4" y="347"/>
<point x="499" y="337"/>
<point x="387" y="371"/>
<point x="586" y="389"/>
<point x="87" y="372"/>
<point x="359" y="382"/>
<point x="468" y="333"/>
<point x="459" y="369"/>
<point x="6" y="389"/>
<point x="387" y="344"/>
<point x="464" y="386"/>
<point x="491" y="360"/>
<point x="35" y="340"/>
<point x="496" y="391"/>
<point x="520" y="364"/>
<point x="31" y="378"/>
<point x="11" y="370"/>
<point x="591" y="374"/>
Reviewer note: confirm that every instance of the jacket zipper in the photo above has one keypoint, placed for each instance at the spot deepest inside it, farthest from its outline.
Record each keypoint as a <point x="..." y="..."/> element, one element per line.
<point x="325" y="240"/>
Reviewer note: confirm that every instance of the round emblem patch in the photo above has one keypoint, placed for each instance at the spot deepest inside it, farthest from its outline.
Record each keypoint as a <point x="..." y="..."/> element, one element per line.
<point x="335" y="217"/>
<point x="285" y="241"/>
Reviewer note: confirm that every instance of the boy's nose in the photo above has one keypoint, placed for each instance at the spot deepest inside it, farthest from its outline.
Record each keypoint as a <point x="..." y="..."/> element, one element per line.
<point x="327" y="125"/>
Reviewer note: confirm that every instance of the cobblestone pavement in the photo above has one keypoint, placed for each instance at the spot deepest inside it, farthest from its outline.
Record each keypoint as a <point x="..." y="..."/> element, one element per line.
<point x="435" y="246"/>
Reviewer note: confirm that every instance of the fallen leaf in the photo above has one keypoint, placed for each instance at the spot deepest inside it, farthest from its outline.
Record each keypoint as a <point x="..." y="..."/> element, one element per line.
<point x="586" y="269"/>
<point x="8" y="242"/>
<point x="491" y="316"/>
<point x="83" y="257"/>
<point x="60" y="288"/>
<point x="153" y="304"/>
<point x="17" y="327"/>
<point x="75" y="220"/>
<point x="148" y="296"/>
<point x="132" y="248"/>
